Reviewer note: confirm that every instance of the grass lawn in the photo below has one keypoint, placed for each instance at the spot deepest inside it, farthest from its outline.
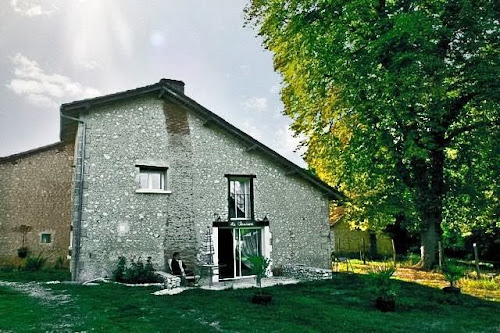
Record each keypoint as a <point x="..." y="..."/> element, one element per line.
<point x="344" y="304"/>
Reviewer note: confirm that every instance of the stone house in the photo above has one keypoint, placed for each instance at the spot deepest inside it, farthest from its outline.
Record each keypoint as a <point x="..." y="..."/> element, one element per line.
<point x="154" y="173"/>
<point x="161" y="173"/>
<point x="35" y="205"/>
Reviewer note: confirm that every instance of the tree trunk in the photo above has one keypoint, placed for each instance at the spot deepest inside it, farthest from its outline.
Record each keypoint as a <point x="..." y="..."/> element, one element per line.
<point x="429" y="239"/>
<point x="431" y="191"/>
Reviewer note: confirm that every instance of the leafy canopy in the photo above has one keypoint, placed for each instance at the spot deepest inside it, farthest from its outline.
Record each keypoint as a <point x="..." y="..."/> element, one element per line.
<point x="398" y="100"/>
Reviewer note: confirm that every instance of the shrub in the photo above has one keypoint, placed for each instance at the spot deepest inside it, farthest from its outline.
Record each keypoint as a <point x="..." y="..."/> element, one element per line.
<point x="453" y="273"/>
<point x="382" y="280"/>
<point x="34" y="264"/>
<point x="118" y="273"/>
<point x="136" y="272"/>
<point x="61" y="263"/>
<point x="258" y="267"/>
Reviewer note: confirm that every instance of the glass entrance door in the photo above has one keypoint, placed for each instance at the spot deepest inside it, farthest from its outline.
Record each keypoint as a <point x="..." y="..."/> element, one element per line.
<point x="236" y="245"/>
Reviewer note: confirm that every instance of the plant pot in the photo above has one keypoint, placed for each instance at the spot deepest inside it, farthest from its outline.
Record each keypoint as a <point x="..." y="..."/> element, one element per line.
<point x="263" y="299"/>
<point x="22" y="252"/>
<point x="451" y="290"/>
<point x="385" y="304"/>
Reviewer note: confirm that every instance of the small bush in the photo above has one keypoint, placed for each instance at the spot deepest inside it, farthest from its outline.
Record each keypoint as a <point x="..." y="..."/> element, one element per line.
<point x="382" y="280"/>
<point x="136" y="272"/>
<point x="258" y="267"/>
<point x="61" y="263"/>
<point x="119" y="272"/>
<point x="452" y="273"/>
<point x="34" y="264"/>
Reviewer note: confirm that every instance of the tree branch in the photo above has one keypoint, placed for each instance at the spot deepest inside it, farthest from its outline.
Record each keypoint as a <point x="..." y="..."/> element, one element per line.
<point x="455" y="107"/>
<point x="456" y="132"/>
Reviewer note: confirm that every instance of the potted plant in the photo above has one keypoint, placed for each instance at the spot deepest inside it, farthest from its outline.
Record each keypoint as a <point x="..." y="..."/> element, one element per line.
<point x="452" y="273"/>
<point x="386" y="300"/>
<point x="258" y="267"/>
<point x="22" y="252"/>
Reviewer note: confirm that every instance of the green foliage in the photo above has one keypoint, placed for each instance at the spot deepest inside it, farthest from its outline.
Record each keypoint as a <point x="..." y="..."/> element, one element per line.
<point x="453" y="273"/>
<point x="61" y="263"/>
<point x="381" y="276"/>
<point x="136" y="272"/>
<point x="399" y="104"/>
<point x="33" y="264"/>
<point x="485" y="283"/>
<point x="258" y="267"/>
<point x="119" y="272"/>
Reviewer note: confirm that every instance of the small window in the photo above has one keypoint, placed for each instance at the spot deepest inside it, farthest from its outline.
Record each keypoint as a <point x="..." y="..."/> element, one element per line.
<point x="240" y="197"/>
<point x="152" y="179"/>
<point x="45" y="238"/>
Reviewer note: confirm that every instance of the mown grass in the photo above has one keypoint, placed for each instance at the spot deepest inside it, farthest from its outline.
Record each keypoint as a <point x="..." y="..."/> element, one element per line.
<point x="39" y="276"/>
<point x="344" y="304"/>
<point x="26" y="311"/>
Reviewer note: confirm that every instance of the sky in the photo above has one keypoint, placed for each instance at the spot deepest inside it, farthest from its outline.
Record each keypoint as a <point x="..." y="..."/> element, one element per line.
<point x="59" y="51"/>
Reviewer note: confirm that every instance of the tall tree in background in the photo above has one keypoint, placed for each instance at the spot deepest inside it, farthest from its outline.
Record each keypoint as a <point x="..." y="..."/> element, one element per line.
<point x="398" y="100"/>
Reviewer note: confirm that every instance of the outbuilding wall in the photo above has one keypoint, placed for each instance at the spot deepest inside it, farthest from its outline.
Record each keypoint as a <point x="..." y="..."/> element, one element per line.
<point x="35" y="195"/>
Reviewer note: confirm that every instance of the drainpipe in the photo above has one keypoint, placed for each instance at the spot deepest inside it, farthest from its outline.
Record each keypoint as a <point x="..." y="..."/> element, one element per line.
<point x="76" y="226"/>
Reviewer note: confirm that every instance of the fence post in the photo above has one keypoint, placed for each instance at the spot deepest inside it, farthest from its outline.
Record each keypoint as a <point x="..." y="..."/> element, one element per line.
<point x="440" y="255"/>
<point x="364" y="251"/>
<point x="393" y="252"/>
<point x="476" y="258"/>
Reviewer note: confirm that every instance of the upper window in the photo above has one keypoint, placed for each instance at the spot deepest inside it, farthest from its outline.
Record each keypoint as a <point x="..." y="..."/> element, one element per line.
<point x="152" y="179"/>
<point x="240" y="197"/>
<point x="45" y="238"/>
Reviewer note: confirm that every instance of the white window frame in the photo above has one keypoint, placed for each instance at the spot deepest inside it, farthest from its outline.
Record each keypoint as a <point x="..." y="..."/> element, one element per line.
<point x="146" y="169"/>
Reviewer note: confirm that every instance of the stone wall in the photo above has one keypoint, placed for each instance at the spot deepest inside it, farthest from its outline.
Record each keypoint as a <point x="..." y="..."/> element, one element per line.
<point x="302" y="272"/>
<point x="116" y="220"/>
<point x="297" y="211"/>
<point x="35" y="192"/>
<point x="119" y="221"/>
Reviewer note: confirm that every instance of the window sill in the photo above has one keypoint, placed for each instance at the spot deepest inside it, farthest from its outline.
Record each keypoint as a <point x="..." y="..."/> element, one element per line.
<point x="146" y="191"/>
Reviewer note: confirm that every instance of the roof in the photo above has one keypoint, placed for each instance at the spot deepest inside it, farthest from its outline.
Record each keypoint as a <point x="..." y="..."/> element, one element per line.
<point x="30" y="152"/>
<point x="174" y="91"/>
<point x="336" y="213"/>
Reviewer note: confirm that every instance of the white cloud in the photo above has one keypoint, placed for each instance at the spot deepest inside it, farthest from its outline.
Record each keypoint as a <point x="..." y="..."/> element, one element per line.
<point x="32" y="8"/>
<point x="255" y="103"/>
<point x="41" y="89"/>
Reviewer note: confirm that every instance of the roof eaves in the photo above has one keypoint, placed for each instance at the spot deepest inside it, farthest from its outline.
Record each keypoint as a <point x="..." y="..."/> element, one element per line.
<point x="30" y="152"/>
<point x="86" y="103"/>
<point x="163" y="87"/>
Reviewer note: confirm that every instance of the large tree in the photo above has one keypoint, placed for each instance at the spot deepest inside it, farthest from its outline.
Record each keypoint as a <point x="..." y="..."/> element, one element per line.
<point x="398" y="101"/>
